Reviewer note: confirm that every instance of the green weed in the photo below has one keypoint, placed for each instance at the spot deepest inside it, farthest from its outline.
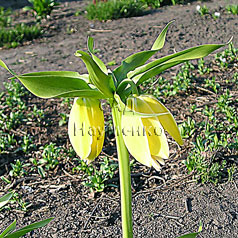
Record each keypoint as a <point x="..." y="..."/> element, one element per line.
<point x="50" y="156"/>
<point x="212" y="84"/>
<point x="41" y="8"/>
<point x="228" y="57"/>
<point x="5" y="19"/>
<point x="187" y="128"/>
<point x="13" y="35"/>
<point x="203" y="68"/>
<point x="114" y="10"/>
<point x="233" y="9"/>
<point x="202" y="10"/>
<point x="94" y="178"/>
<point x="64" y="119"/>
<point x="18" y="169"/>
<point x="216" y="132"/>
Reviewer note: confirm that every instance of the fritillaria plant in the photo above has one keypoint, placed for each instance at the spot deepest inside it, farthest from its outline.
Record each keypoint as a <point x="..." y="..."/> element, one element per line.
<point x="139" y="120"/>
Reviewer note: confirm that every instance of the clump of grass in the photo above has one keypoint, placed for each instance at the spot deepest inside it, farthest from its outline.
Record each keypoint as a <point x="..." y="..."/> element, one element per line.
<point x="202" y="10"/>
<point x="233" y="9"/>
<point x="41" y="8"/>
<point x="13" y="35"/>
<point x="114" y="9"/>
<point x="160" y="3"/>
<point x="5" y="19"/>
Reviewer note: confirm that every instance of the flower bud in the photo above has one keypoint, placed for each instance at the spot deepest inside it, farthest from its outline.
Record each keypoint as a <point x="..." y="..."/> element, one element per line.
<point x="86" y="128"/>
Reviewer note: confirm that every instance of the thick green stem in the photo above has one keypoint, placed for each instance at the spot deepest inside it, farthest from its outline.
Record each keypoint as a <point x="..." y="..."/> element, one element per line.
<point x="125" y="175"/>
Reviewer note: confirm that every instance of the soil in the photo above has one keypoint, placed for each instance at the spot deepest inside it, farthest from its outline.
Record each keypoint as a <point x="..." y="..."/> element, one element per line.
<point x="168" y="204"/>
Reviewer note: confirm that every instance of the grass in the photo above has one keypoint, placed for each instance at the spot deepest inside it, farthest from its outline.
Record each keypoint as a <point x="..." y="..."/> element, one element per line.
<point x="112" y="10"/>
<point x="233" y="9"/>
<point x="41" y="8"/>
<point x="13" y="35"/>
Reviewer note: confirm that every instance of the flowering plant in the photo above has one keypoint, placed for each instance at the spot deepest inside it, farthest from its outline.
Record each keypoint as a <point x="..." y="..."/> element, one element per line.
<point x="139" y="120"/>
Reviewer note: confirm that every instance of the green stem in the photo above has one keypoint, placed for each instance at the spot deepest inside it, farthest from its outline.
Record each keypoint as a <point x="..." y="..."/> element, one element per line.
<point x="125" y="175"/>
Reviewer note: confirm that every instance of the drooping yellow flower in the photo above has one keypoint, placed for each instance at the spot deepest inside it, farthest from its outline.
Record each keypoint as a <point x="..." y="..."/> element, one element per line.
<point x="144" y="134"/>
<point x="86" y="128"/>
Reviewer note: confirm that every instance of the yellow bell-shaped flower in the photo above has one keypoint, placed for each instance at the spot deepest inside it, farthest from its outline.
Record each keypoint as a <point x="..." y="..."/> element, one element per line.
<point x="143" y="124"/>
<point x="86" y="128"/>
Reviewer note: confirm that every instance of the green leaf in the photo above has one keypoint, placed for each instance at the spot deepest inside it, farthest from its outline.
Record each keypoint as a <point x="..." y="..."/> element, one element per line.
<point x="138" y="59"/>
<point x="5" y="67"/>
<point x="191" y="235"/>
<point x="60" y="73"/>
<point x="9" y="229"/>
<point x="27" y="8"/>
<point x="5" y="199"/>
<point x="101" y="65"/>
<point x="48" y="86"/>
<point x="152" y="69"/>
<point x="103" y="82"/>
<point x="29" y="228"/>
<point x="159" y="43"/>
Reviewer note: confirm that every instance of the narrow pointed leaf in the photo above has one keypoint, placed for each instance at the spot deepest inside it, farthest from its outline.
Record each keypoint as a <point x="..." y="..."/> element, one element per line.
<point x="29" y="228"/>
<point x="101" y="65"/>
<point x="171" y="60"/>
<point x="191" y="235"/>
<point x="48" y="86"/>
<point x="5" y="67"/>
<point x="159" y="42"/>
<point x="139" y="79"/>
<point x="5" y="199"/>
<point x="59" y="73"/>
<point x="9" y="229"/>
<point x="138" y="59"/>
<point x="103" y="82"/>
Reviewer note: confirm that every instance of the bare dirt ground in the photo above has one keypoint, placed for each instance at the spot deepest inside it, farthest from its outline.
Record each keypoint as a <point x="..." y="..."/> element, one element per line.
<point x="160" y="208"/>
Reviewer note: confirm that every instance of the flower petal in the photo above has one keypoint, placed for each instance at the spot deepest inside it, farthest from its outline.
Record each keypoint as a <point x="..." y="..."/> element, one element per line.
<point x="156" y="138"/>
<point x="97" y="132"/>
<point x="135" y="139"/>
<point x="167" y="121"/>
<point x="78" y="128"/>
<point x="156" y="165"/>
